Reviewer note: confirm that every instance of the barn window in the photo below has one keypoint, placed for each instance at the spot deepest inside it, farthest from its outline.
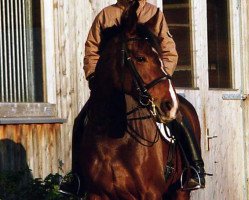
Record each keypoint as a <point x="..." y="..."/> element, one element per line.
<point x="218" y="44"/>
<point x="178" y="16"/>
<point x="21" y="73"/>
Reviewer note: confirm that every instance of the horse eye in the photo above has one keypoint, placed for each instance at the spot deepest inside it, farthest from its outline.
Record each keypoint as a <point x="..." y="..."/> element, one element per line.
<point x="140" y="59"/>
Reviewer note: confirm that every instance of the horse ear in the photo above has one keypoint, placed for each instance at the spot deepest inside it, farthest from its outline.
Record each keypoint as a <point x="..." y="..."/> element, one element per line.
<point x="129" y="17"/>
<point x="151" y="23"/>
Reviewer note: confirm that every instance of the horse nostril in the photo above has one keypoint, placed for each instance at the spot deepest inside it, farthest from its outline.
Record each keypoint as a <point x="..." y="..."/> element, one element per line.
<point x="167" y="105"/>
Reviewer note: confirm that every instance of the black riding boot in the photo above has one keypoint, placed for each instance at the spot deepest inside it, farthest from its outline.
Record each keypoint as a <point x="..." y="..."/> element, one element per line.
<point x="191" y="150"/>
<point x="71" y="183"/>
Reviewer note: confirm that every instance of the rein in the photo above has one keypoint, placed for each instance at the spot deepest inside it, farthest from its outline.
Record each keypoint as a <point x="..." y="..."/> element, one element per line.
<point x="133" y="133"/>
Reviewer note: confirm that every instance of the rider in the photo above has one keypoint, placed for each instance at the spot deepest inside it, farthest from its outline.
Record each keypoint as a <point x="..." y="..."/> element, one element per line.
<point x="109" y="17"/>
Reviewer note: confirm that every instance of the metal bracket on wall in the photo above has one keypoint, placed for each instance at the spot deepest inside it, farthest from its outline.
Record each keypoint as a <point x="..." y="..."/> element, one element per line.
<point x="208" y="137"/>
<point x="235" y="96"/>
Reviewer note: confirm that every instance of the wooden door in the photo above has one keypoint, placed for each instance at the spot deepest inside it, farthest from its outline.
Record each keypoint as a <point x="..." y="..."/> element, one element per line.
<point x="224" y="131"/>
<point x="211" y="74"/>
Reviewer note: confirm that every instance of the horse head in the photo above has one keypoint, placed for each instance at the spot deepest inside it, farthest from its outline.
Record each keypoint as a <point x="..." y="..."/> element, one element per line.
<point x="132" y="54"/>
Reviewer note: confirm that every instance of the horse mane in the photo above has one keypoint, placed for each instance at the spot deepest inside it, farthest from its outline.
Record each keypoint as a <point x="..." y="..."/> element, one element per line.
<point x="142" y="31"/>
<point x="108" y="34"/>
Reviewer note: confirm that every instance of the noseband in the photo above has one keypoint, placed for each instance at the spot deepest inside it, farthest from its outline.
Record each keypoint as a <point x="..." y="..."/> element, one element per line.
<point x="144" y="96"/>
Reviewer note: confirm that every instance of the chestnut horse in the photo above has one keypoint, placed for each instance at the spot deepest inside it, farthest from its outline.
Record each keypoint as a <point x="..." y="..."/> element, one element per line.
<point x="121" y="154"/>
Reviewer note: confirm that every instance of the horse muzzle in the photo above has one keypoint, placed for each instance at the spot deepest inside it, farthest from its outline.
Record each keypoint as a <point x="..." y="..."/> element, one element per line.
<point x="166" y="112"/>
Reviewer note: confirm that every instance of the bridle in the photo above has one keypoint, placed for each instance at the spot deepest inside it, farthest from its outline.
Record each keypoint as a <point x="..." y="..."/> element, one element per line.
<point x="144" y="97"/>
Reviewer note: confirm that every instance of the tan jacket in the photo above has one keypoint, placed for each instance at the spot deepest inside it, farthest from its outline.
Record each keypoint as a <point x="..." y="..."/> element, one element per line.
<point x="110" y="16"/>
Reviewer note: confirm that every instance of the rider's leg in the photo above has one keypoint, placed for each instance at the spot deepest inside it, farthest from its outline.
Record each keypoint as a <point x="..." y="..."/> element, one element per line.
<point x="71" y="182"/>
<point x="78" y="129"/>
<point x="195" y="155"/>
<point x="185" y="136"/>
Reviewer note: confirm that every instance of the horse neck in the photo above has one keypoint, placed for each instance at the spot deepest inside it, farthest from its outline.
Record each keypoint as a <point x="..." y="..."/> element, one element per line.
<point x="108" y="103"/>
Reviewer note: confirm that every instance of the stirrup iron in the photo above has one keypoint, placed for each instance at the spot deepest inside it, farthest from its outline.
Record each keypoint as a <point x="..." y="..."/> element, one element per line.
<point x="198" y="176"/>
<point x="67" y="180"/>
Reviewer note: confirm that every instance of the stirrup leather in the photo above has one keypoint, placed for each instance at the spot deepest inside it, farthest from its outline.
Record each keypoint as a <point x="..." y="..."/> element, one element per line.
<point x="186" y="170"/>
<point x="68" y="180"/>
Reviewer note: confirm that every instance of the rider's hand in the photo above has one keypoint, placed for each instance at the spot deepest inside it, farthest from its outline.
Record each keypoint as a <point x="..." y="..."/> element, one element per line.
<point x="91" y="81"/>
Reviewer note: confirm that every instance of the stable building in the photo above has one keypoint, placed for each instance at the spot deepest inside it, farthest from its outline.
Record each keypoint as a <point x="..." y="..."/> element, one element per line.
<point x="43" y="85"/>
